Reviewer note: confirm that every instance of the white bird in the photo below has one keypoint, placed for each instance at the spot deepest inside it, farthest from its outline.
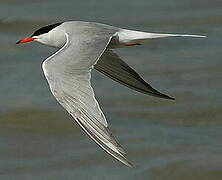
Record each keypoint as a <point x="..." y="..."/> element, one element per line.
<point x="84" y="46"/>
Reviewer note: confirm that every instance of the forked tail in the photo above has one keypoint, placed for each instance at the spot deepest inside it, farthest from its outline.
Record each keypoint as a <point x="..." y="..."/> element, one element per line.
<point x="129" y="37"/>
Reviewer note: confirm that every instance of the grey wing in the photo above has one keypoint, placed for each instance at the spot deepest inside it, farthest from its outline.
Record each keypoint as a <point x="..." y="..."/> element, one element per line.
<point x="68" y="72"/>
<point x="112" y="66"/>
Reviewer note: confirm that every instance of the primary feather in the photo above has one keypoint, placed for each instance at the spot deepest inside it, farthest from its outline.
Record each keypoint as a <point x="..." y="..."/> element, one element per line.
<point x="69" y="72"/>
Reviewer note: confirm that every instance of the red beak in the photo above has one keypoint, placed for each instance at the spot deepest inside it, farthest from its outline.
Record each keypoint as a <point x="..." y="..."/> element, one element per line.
<point x="25" y="40"/>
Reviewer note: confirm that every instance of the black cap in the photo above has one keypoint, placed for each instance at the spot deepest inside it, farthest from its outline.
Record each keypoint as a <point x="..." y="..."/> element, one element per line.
<point x="46" y="29"/>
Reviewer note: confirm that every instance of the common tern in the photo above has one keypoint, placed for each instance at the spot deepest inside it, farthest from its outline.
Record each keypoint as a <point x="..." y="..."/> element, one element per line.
<point x="84" y="46"/>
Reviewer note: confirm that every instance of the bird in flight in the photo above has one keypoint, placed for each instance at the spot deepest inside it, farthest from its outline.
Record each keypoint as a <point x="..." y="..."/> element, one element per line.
<point x="82" y="47"/>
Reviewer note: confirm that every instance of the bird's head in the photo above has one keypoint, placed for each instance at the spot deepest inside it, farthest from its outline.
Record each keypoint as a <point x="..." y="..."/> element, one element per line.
<point x="51" y="35"/>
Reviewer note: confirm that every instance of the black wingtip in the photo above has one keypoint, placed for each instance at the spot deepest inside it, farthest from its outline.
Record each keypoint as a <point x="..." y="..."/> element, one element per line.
<point x="170" y="98"/>
<point x="157" y="94"/>
<point x="130" y="165"/>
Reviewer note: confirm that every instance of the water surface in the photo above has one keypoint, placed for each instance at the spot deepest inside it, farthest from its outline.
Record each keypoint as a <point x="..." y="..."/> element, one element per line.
<point x="165" y="139"/>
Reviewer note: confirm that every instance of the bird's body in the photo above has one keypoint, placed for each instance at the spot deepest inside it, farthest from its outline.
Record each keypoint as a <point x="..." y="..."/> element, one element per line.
<point x="82" y="47"/>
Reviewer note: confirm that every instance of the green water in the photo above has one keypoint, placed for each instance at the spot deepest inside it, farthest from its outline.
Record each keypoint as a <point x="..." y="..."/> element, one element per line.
<point x="167" y="140"/>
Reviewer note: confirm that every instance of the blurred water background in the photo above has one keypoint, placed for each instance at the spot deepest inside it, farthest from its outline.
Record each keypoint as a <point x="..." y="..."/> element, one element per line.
<point x="168" y="140"/>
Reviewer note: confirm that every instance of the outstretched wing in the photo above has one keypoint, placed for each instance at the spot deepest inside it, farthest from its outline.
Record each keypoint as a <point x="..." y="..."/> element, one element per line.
<point x="112" y="66"/>
<point x="68" y="72"/>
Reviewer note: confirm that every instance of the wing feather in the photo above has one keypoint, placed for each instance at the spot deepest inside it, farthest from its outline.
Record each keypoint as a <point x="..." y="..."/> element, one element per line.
<point x="68" y="72"/>
<point x="111" y="65"/>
